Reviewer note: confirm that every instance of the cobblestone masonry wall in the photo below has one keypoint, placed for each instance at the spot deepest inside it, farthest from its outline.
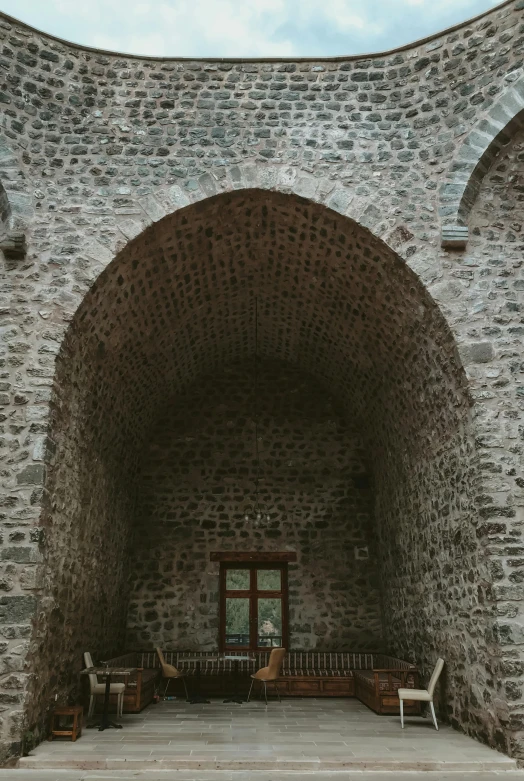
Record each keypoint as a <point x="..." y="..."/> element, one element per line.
<point x="98" y="149"/>
<point x="84" y="531"/>
<point x="200" y="472"/>
<point x="494" y="260"/>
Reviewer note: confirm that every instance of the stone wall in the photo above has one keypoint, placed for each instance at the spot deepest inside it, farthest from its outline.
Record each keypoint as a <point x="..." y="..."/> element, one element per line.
<point x="497" y="280"/>
<point x="158" y="198"/>
<point x="199" y="472"/>
<point x="436" y="594"/>
<point x="84" y="532"/>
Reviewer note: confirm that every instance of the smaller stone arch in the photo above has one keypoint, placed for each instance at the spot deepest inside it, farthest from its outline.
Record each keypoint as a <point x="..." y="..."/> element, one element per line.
<point x="16" y="210"/>
<point x="474" y="158"/>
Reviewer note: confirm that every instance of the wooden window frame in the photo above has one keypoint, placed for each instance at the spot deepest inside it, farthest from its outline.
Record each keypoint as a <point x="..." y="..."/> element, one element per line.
<point x="253" y="594"/>
<point x="257" y="557"/>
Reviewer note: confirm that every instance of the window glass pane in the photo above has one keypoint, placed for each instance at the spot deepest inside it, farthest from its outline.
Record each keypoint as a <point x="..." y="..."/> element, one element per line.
<point x="268" y="580"/>
<point x="237" y="621"/>
<point x="237" y="579"/>
<point x="269" y="622"/>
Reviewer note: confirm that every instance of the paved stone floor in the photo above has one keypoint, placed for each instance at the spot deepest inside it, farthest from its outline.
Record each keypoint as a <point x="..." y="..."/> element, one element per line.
<point x="255" y="775"/>
<point x="299" y="734"/>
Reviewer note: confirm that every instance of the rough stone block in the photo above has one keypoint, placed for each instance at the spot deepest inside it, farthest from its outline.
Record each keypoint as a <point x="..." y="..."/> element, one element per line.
<point x="451" y="191"/>
<point x="97" y="251"/>
<point x="20" y="554"/>
<point x="152" y="207"/>
<point x="371" y="216"/>
<point x="21" y="204"/>
<point x="340" y="201"/>
<point x="33" y="474"/>
<point x="17" y="609"/>
<point x="208" y="184"/>
<point x="178" y="197"/>
<point x="305" y="187"/>
<point x="454" y="236"/>
<point x="477" y="352"/>
<point x="37" y="414"/>
<point x="14" y="245"/>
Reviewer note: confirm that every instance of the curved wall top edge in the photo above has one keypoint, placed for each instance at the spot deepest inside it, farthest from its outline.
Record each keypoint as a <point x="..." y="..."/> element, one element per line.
<point x="339" y="58"/>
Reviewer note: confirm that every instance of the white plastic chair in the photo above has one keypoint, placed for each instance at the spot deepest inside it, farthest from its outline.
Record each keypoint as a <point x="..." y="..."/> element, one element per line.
<point x="422" y="695"/>
<point x="96" y="689"/>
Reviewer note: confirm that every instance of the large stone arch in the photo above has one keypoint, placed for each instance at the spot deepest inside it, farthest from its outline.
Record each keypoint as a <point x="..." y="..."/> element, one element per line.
<point x="335" y="301"/>
<point x="389" y="228"/>
<point x="279" y="179"/>
<point x="287" y="180"/>
<point x="474" y="158"/>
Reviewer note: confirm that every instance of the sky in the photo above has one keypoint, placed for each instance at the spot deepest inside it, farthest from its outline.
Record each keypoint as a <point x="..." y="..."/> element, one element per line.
<point x="244" y="28"/>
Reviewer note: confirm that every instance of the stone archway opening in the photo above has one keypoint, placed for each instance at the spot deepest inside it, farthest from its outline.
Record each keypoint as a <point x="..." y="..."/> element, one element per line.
<point x="169" y="325"/>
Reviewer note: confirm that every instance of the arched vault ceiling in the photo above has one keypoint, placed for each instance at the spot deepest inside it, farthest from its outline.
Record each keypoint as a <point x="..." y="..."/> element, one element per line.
<point x="332" y="299"/>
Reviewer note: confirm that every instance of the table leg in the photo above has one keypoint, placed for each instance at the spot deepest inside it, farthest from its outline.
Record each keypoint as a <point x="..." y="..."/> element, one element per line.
<point x="197" y="697"/>
<point x="75" y="726"/>
<point x="235" y="697"/>
<point x="104" y="722"/>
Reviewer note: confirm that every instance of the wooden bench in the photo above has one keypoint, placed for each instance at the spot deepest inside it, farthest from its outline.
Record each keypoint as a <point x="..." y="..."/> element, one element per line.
<point x="140" y="686"/>
<point x="304" y="674"/>
<point x="309" y="674"/>
<point x="373" y="678"/>
<point x="377" y="687"/>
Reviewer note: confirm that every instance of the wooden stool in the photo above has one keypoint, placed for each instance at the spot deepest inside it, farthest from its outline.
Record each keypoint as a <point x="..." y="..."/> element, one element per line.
<point x="76" y="712"/>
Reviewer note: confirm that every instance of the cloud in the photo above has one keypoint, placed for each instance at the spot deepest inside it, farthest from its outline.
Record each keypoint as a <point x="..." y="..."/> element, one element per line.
<point x="151" y="44"/>
<point x="243" y="28"/>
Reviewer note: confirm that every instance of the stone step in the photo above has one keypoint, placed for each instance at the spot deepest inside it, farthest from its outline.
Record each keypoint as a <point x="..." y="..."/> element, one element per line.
<point x="257" y="775"/>
<point x="352" y="764"/>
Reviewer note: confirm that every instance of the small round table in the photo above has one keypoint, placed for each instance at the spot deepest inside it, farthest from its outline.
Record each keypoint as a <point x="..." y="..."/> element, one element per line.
<point x="236" y="659"/>
<point x="106" y="673"/>
<point x="197" y="698"/>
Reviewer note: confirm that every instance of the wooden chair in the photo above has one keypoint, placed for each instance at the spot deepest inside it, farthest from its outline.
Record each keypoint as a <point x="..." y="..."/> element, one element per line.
<point x="96" y="689"/>
<point x="423" y="695"/>
<point x="170" y="673"/>
<point x="270" y="673"/>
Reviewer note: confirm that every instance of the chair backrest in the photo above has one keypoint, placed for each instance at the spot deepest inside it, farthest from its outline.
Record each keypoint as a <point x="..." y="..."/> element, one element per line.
<point x="276" y="658"/>
<point x="88" y="661"/>
<point x="161" y="658"/>
<point x="168" y="670"/>
<point x="435" y="676"/>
